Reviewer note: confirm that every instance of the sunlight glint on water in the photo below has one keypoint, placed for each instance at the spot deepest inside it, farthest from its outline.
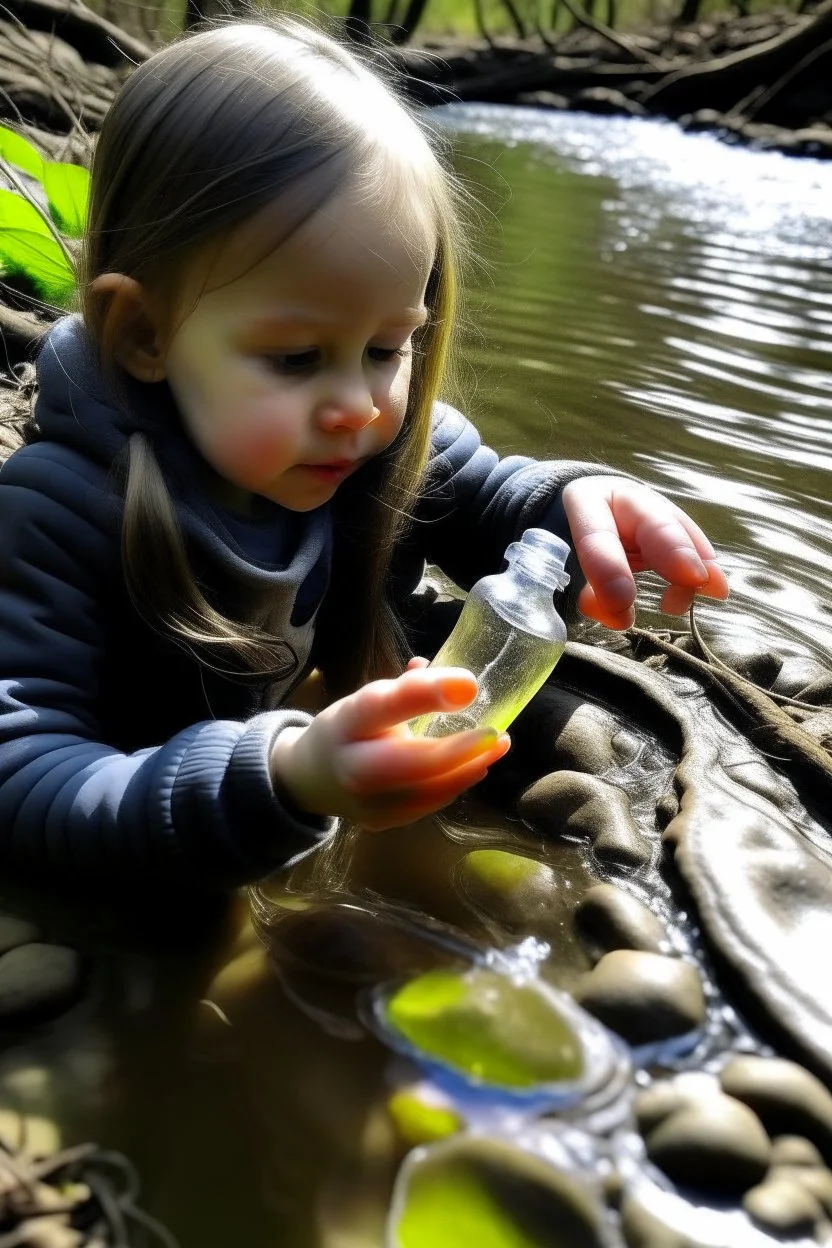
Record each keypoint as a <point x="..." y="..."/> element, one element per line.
<point x="662" y="302"/>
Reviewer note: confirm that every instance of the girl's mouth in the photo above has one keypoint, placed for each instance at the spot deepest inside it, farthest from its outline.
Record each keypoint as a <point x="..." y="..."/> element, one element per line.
<point x="335" y="470"/>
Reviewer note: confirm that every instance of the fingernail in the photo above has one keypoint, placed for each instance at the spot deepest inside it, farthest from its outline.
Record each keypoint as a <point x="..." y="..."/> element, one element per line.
<point x="619" y="590"/>
<point x="695" y="564"/>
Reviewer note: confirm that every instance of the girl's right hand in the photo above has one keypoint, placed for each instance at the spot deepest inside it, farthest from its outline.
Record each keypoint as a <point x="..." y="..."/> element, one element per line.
<point x="359" y="759"/>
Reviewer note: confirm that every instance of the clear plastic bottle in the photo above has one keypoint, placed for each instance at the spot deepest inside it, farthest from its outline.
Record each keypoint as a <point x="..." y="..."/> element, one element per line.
<point x="509" y="635"/>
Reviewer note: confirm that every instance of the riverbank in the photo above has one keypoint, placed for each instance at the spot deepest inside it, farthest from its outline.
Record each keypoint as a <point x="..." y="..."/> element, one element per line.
<point x="762" y="80"/>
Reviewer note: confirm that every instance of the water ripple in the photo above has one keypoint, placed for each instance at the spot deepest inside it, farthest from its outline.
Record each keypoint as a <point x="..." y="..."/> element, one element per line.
<point x="662" y="302"/>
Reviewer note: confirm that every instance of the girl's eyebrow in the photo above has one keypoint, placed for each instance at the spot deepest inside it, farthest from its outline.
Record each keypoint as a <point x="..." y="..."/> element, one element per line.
<point x="408" y="318"/>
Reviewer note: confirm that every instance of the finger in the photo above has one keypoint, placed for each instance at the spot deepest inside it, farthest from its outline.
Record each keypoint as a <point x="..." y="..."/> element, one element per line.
<point x="600" y="552"/>
<point x="407" y="807"/>
<point x="391" y="763"/>
<point x="416" y="663"/>
<point x="382" y="705"/>
<point x="592" y="606"/>
<point x="677" y="599"/>
<point x="717" y="586"/>
<point x="667" y="546"/>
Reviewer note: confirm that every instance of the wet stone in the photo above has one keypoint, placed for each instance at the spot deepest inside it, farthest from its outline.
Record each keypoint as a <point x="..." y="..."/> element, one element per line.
<point x="783" y="1207"/>
<point x="716" y="1144"/>
<point x="573" y="804"/>
<point x="642" y="1229"/>
<point x="626" y="747"/>
<point x="815" y="1179"/>
<point x="818" y="692"/>
<point x="510" y="887"/>
<point x="667" y="808"/>
<point x="667" y="1096"/>
<point x="38" y="981"/>
<point x="644" y="997"/>
<point x="560" y="730"/>
<point x="762" y="779"/>
<point x="788" y="1099"/>
<point x="608" y="918"/>
<point x="352" y="944"/>
<point x="794" y="1150"/>
<point x="748" y="659"/>
<point x="15" y="931"/>
<point x="797" y="673"/>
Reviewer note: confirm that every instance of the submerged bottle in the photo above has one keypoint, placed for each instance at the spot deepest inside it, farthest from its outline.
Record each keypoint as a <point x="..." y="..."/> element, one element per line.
<point x="509" y="635"/>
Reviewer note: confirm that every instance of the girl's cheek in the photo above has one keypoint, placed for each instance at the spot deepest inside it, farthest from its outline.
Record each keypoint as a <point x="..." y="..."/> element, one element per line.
<point x="252" y="454"/>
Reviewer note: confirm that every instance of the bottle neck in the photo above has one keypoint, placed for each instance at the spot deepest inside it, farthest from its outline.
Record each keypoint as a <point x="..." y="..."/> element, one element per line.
<point x="534" y="569"/>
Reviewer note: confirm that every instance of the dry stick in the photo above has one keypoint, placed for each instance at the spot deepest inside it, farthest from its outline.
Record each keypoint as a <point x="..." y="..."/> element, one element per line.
<point x="776" y="87"/>
<point x="716" y="661"/>
<point x="735" y="62"/>
<point x="606" y="32"/>
<point x="782" y="731"/>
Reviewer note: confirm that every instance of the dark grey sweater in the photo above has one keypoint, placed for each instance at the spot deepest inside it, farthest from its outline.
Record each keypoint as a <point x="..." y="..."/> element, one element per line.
<point x="121" y="755"/>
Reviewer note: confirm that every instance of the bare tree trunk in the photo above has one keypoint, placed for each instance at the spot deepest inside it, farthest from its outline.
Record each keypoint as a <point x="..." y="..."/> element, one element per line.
<point x="516" y="20"/>
<point x="688" y="13"/>
<point x="404" y="30"/>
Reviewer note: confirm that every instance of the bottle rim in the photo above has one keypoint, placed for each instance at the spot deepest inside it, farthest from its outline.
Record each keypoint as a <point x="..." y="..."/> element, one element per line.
<point x="543" y="555"/>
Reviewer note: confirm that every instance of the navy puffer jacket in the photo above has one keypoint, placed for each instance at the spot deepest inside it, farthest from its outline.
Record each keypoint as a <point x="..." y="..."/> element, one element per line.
<point x="121" y="755"/>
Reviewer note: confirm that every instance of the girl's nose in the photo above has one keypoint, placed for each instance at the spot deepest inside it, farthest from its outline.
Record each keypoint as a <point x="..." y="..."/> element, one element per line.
<point x="350" y="408"/>
<point x="334" y="416"/>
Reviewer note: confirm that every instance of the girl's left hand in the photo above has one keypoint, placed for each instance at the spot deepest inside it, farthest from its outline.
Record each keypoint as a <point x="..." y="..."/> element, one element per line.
<point x="620" y="527"/>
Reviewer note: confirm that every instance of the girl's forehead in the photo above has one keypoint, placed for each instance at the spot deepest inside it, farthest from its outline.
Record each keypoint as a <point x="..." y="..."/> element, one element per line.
<point x="351" y="238"/>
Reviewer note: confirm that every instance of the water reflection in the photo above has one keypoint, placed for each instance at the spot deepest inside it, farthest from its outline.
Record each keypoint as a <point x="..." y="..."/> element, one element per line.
<point x="662" y="302"/>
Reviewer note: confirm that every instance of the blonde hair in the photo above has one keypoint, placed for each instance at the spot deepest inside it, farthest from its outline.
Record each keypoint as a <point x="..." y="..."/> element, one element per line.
<point x="205" y="133"/>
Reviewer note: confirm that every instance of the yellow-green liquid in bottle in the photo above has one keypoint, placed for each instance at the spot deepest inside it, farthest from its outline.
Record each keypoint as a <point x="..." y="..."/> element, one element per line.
<point x="509" y="635"/>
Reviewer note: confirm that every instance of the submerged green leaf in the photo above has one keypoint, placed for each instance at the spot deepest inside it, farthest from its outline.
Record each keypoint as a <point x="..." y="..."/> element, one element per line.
<point x="501" y="1032"/>
<point x="28" y="248"/>
<point x="20" y="153"/>
<point x="68" y="191"/>
<point x="480" y="1192"/>
<point x="454" y="1209"/>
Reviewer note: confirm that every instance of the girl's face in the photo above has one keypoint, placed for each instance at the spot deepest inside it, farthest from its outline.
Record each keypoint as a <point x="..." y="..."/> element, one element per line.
<point x="291" y="376"/>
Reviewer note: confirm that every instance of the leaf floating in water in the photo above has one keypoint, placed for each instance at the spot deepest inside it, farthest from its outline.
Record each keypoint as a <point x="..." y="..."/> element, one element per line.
<point x="487" y="1026"/>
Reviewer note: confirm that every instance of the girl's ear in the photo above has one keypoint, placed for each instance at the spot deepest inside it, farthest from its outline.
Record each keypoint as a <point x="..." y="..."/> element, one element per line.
<point x="132" y="323"/>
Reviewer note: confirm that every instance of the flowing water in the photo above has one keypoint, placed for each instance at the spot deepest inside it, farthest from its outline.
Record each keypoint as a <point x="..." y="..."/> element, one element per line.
<point x="663" y="303"/>
<point x="654" y="301"/>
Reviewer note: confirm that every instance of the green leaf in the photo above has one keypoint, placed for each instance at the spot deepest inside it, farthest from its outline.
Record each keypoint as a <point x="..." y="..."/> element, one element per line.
<point x="27" y="247"/>
<point x="454" y="1209"/>
<point x="488" y="1026"/>
<point x="20" y="153"/>
<point x="68" y="191"/>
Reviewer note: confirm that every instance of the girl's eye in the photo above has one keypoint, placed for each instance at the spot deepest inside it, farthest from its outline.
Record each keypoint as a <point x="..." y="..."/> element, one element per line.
<point x="385" y="355"/>
<point x="293" y="361"/>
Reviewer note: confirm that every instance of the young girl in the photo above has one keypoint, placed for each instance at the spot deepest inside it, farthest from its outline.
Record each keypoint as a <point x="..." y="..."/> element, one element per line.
<point x="239" y="469"/>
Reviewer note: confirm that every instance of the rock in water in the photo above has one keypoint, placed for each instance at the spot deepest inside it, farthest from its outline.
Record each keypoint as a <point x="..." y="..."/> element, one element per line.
<point x="38" y="981"/>
<point x="644" y="997"/>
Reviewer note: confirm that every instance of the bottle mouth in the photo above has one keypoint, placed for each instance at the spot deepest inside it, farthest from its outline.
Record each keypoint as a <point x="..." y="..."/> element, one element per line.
<point x="543" y="555"/>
